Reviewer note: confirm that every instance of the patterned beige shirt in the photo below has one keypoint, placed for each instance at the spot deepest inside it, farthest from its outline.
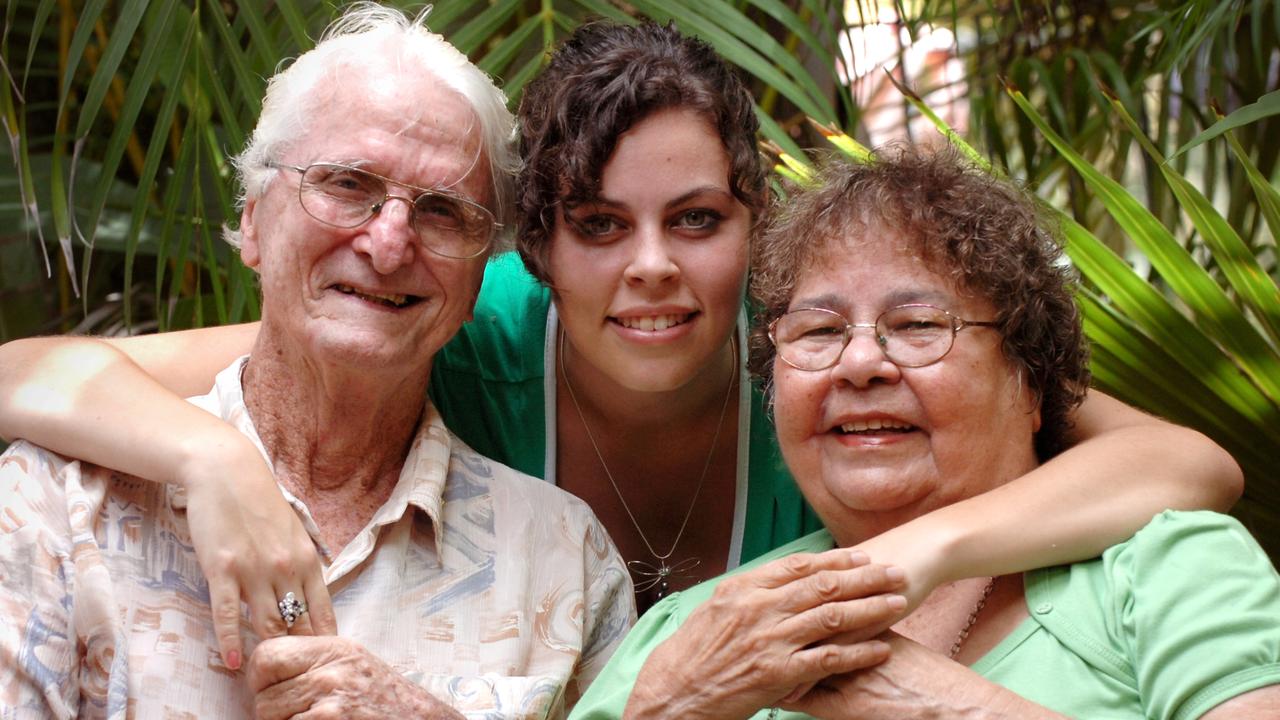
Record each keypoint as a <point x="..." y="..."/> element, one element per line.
<point x="496" y="592"/>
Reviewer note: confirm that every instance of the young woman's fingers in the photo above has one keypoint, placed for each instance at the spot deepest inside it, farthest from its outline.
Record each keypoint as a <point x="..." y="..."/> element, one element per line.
<point x="224" y="601"/>
<point x="264" y="609"/>
<point x="319" y="606"/>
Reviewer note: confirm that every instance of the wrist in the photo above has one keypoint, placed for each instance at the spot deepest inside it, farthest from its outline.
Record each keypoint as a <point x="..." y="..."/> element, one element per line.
<point x="929" y="549"/>
<point x="218" y="451"/>
<point x="658" y="694"/>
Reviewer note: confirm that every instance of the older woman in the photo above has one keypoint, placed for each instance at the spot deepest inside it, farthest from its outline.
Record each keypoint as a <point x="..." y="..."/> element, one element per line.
<point x="928" y="351"/>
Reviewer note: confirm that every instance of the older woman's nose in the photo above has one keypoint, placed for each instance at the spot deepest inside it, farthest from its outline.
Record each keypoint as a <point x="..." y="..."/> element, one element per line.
<point x="862" y="362"/>
<point x="388" y="239"/>
<point x="651" y="261"/>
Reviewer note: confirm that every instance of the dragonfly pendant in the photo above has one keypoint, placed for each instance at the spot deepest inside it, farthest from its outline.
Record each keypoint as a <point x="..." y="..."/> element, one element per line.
<point x="657" y="578"/>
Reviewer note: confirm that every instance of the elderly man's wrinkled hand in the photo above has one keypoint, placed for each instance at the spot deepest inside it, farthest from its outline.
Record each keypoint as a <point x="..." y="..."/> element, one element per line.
<point x="332" y="677"/>
<point x="764" y="633"/>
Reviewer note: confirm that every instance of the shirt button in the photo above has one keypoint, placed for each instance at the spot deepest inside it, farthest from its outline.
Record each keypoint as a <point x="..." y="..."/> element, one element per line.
<point x="1044" y="608"/>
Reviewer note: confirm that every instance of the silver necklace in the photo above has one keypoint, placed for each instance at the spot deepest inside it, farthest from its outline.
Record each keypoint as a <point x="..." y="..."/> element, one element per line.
<point x="651" y="576"/>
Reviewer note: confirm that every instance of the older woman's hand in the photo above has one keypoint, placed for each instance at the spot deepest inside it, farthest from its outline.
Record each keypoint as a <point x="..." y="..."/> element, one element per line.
<point x="251" y="546"/>
<point x="762" y="634"/>
<point x="914" y="682"/>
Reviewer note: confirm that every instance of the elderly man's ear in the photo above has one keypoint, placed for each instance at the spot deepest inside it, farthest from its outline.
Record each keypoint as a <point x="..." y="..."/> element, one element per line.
<point x="250" y="252"/>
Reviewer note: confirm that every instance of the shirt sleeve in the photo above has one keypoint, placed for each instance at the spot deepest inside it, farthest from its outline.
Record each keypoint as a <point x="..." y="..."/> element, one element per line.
<point x="609" y="606"/>
<point x="38" y="646"/>
<point x="607" y="696"/>
<point x="1199" y="601"/>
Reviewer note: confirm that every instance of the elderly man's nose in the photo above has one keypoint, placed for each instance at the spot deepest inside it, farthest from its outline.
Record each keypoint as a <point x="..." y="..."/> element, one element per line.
<point x="388" y="238"/>
<point x="863" y="362"/>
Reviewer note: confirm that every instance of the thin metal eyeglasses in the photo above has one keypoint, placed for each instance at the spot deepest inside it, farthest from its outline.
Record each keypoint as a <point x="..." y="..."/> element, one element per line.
<point x="909" y="335"/>
<point x="346" y="197"/>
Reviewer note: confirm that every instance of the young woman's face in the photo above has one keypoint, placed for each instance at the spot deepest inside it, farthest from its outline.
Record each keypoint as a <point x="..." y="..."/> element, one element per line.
<point x="649" y="277"/>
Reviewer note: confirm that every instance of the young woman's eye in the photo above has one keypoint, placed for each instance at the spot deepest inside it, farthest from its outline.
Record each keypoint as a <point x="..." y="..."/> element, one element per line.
<point x="698" y="219"/>
<point x="596" y="225"/>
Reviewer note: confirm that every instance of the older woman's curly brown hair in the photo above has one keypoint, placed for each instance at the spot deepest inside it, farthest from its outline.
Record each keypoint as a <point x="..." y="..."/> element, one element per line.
<point x="601" y="82"/>
<point x="991" y="238"/>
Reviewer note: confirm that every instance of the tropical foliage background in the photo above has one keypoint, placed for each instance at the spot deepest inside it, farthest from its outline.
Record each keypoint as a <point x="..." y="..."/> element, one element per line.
<point x="120" y="116"/>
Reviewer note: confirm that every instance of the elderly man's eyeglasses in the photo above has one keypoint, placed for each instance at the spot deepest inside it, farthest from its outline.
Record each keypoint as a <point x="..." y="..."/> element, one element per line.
<point x="909" y="335"/>
<point x="346" y="197"/>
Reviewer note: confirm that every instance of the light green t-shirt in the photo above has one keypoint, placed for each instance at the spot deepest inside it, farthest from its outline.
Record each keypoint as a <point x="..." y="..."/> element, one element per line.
<point x="1178" y="619"/>
<point x="491" y="385"/>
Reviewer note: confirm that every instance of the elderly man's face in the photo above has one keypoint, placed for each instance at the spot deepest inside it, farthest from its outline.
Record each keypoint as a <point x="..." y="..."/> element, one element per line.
<point x="873" y="445"/>
<point x="370" y="296"/>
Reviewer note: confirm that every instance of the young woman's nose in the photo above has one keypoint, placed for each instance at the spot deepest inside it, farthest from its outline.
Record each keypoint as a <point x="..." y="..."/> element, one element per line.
<point x="651" y="261"/>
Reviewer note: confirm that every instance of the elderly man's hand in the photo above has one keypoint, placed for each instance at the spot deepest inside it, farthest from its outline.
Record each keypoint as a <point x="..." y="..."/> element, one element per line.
<point x="332" y="677"/>
<point x="914" y="682"/>
<point x="764" y="632"/>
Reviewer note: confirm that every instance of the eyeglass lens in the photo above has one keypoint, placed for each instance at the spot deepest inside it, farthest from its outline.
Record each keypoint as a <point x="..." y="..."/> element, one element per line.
<point x="346" y="197"/>
<point x="909" y="336"/>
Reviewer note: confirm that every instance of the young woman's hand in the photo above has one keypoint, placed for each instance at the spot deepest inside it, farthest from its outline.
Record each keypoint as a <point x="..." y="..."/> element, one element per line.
<point x="251" y="546"/>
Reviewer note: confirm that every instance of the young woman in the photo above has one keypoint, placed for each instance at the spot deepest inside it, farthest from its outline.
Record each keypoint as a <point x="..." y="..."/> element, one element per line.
<point x="620" y="378"/>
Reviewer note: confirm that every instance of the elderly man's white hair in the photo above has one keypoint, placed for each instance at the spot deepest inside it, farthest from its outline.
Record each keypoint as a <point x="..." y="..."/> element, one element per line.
<point x="368" y="30"/>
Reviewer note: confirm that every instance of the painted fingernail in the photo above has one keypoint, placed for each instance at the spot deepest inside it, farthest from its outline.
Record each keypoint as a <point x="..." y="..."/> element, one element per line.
<point x="896" y="602"/>
<point x="233" y="660"/>
<point x="895" y="574"/>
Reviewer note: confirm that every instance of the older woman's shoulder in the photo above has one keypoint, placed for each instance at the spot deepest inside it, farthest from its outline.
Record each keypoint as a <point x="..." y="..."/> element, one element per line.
<point x="1182" y="614"/>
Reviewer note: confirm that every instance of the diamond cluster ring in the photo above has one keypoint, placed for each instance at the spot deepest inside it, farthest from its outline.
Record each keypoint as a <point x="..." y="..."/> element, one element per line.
<point x="291" y="608"/>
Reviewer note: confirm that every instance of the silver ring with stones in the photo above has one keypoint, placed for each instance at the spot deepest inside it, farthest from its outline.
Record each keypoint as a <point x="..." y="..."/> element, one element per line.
<point x="291" y="608"/>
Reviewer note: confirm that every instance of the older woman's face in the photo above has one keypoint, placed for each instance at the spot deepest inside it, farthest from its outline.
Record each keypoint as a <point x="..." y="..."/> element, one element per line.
<point x="873" y="445"/>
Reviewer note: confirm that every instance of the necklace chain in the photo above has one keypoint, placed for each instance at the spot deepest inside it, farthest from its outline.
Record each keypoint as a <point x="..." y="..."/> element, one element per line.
<point x="656" y="576"/>
<point x="973" y="618"/>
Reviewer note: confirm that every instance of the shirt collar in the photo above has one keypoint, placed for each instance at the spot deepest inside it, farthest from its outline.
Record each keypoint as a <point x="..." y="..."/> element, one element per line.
<point x="421" y="484"/>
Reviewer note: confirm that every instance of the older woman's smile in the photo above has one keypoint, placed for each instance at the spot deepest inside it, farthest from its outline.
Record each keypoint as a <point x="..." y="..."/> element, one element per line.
<point x="874" y="426"/>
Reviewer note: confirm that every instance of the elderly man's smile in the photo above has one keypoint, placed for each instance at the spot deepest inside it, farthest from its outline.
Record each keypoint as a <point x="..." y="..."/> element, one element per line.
<point x="391" y="300"/>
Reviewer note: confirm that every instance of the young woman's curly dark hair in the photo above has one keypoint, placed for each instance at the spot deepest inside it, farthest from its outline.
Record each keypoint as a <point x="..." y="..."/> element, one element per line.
<point x="989" y="236"/>
<point x="602" y="81"/>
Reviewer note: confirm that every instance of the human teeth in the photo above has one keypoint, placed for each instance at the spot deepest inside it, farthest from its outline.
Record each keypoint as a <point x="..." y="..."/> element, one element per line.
<point x="651" y="323"/>
<point x="397" y="300"/>
<point x="873" y="424"/>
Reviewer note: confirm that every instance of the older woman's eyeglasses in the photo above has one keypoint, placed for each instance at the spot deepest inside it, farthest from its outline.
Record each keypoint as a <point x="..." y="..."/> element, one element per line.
<point x="346" y="197"/>
<point x="909" y="335"/>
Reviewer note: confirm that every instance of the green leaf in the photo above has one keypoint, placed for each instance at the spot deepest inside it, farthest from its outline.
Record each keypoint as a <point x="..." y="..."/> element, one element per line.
<point x="469" y="37"/>
<point x="1222" y="320"/>
<point x="1230" y="253"/>
<point x="1268" y="196"/>
<point x="738" y="53"/>
<point x="1264" y="107"/>
<point x="122" y="33"/>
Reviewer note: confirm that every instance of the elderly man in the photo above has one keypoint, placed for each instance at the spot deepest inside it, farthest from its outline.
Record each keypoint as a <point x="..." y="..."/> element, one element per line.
<point x="371" y="187"/>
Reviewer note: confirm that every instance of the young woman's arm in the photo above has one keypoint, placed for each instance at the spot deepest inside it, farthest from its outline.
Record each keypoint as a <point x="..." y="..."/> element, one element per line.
<point x="118" y="403"/>
<point x="1124" y="466"/>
